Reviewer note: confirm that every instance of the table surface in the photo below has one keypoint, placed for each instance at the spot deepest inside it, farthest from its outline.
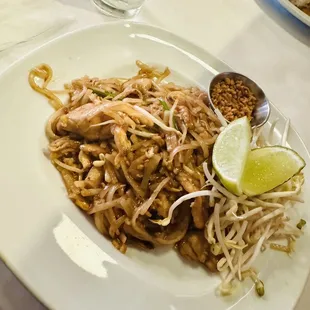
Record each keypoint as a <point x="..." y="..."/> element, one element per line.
<point x="258" y="38"/>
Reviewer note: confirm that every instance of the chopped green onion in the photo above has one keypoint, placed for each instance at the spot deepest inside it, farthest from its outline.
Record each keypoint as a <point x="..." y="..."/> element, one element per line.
<point x="101" y="92"/>
<point x="301" y="224"/>
<point x="164" y="104"/>
<point x="166" y="108"/>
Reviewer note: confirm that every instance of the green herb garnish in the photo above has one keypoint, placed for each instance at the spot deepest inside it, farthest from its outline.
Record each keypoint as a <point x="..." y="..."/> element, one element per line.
<point x="102" y="93"/>
<point x="164" y="104"/>
<point x="166" y="108"/>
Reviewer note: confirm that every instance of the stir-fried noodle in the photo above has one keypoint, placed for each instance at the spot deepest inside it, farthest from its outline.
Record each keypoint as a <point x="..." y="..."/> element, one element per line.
<point x="135" y="154"/>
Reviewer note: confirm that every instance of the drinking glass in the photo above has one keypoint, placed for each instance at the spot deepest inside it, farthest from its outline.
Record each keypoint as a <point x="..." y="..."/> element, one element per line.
<point x="119" y="8"/>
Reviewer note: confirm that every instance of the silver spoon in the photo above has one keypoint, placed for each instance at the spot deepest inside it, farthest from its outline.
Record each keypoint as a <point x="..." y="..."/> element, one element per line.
<point x="262" y="109"/>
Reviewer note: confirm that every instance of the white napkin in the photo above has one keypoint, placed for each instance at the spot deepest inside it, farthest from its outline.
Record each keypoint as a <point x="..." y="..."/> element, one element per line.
<point x="23" y="20"/>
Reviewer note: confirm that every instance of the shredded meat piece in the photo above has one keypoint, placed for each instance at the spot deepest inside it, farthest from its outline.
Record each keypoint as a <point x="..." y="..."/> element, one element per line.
<point x="185" y="115"/>
<point x="82" y="119"/>
<point x="188" y="183"/>
<point x="161" y="205"/>
<point x="79" y="121"/>
<point x="84" y="160"/>
<point x="198" y="210"/>
<point x="171" y="141"/>
<point x="143" y="84"/>
<point x="196" y="248"/>
<point x="94" y="177"/>
<point x="93" y="149"/>
<point x="64" y="145"/>
<point x="122" y="143"/>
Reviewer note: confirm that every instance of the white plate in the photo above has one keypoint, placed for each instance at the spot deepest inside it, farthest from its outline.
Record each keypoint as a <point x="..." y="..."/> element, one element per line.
<point x="293" y="9"/>
<point x="53" y="247"/>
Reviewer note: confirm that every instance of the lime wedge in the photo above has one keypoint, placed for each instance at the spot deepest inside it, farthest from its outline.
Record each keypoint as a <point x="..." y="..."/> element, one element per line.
<point x="269" y="167"/>
<point x="230" y="153"/>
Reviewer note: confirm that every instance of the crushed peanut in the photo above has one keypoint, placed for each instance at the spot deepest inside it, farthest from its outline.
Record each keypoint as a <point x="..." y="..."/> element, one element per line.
<point x="233" y="99"/>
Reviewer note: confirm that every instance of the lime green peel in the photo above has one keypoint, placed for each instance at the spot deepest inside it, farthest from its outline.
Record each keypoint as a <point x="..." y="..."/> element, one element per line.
<point x="253" y="172"/>
<point x="230" y="153"/>
<point x="269" y="167"/>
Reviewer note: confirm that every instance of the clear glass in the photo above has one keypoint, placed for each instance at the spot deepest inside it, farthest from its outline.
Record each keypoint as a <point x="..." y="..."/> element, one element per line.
<point x="119" y="8"/>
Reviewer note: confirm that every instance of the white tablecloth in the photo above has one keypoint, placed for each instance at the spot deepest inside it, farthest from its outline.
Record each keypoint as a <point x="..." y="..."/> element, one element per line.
<point x="257" y="38"/>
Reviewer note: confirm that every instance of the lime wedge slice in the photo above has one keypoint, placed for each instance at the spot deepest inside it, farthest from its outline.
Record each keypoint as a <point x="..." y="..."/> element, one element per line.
<point x="230" y="153"/>
<point x="269" y="167"/>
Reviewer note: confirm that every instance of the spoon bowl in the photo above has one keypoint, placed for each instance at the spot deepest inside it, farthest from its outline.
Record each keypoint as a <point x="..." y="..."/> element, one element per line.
<point x="261" y="111"/>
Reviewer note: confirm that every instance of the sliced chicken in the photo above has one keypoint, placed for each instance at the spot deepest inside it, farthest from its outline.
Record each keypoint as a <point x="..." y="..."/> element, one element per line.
<point x="84" y="120"/>
<point x="198" y="207"/>
<point x="81" y="119"/>
<point x="196" y="248"/>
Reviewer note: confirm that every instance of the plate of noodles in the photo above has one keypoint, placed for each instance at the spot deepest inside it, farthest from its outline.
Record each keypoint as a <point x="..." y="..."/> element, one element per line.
<point x="109" y="196"/>
<point x="299" y="8"/>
